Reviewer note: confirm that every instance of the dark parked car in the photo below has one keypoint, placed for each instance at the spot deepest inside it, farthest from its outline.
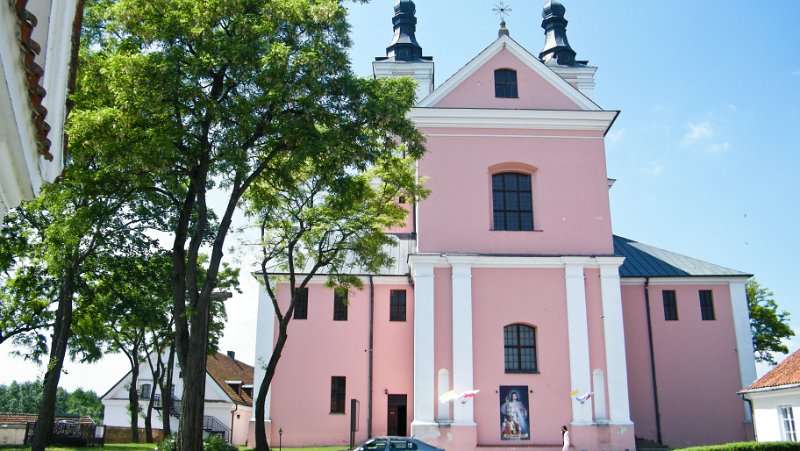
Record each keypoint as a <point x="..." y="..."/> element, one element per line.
<point x="389" y="443"/>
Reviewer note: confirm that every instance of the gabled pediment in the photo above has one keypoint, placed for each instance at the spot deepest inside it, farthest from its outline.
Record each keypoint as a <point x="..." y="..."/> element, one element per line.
<point x="540" y="88"/>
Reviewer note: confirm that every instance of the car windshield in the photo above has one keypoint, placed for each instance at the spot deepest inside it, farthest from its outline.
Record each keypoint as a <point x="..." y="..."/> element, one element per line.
<point x="373" y="444"/>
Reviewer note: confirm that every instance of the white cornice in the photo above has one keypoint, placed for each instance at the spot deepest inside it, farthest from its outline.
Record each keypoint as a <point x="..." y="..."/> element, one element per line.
<point x="513" y="119"/>
<point x="399" y="279"/>
<point x="509" y="261"/>
<point x="505" y="42"/>
<point x="711" y="280"/>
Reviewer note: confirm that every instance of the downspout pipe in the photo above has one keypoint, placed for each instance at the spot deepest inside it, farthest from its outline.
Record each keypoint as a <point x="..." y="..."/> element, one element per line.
<point x="652" y="357"/>
<point x="752" y="414"/>
<point x="370" y="356"/>
<point x="233" y="412"/>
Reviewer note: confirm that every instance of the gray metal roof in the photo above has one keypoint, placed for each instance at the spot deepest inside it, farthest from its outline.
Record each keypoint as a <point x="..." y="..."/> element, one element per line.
<point x="642" y="260"/>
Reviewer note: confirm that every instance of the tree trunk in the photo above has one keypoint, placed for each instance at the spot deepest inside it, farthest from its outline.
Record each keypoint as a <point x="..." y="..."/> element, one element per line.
<point x="190" y="434"/>
<point x="261" y="435"/>
<point x="58" y="351"/>
<point x="166" y="395"/>
<point x="148" y="418"/>
<point x="133" y="401"/>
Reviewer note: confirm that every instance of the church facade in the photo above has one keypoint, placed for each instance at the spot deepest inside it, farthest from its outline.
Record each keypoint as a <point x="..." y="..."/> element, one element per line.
<point x="509" y="281"/>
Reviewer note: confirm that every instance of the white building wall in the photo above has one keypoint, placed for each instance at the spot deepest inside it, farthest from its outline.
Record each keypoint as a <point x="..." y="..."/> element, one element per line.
<point x="767" y="420"/>
<point x="218" y="405"/>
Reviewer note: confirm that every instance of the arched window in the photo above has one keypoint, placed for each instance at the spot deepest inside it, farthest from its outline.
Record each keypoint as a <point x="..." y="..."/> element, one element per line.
<point x="505" y="83"/>
<point x="520" y="349"/>
<point x="511" y="201"/>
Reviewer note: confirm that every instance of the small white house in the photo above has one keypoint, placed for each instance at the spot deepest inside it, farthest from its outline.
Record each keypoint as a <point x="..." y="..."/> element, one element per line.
<point x="228" y="405"/>
<point x="775" y="401"/>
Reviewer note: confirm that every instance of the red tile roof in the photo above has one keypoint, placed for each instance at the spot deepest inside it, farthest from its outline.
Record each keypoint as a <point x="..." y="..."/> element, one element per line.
<point x="222" y="368"/>
<point x="33" y="73"/>
<point x="785" y="373"/>
<point x="24" y="418"/>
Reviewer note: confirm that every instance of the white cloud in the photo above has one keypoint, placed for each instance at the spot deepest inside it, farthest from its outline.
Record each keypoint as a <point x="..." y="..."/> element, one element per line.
<point x="732" y="108"/>
<point x="796" y="72"/>
<point x="719" y="148"/>
<point x="616" y="136"/>
<point x="652" y="170"/>
<point x="697" y="133"/>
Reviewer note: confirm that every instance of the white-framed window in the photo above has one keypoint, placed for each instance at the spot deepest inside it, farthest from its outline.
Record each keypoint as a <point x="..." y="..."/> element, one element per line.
<point x="788" y="432"/>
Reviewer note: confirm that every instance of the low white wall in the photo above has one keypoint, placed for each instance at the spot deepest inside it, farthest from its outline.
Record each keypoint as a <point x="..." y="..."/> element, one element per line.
<point x="12" y="434"/>
<point x="767" y="419"/>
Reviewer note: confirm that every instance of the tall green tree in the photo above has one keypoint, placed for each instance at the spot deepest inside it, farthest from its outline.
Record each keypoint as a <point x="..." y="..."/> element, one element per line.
<point x="769" y="325"/>
<point x="130" y="299"/>
<point x="80" y="216"/>
<point x="331" y="222"/>
<point x="198" y="95"/>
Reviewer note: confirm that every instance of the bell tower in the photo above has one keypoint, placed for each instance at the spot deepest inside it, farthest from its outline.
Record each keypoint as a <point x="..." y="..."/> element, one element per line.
<point x="404" y="54"/>
<point x="559" y="55"/>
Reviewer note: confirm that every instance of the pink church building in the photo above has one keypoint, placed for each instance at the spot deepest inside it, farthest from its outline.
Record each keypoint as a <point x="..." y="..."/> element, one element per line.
<point x="509" y="280"/>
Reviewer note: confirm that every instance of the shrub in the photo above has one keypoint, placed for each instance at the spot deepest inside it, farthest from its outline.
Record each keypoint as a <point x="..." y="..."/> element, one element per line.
<point x="215" y="443"/>
<point x="170" y="443"/>
<point x="748" y="446"/>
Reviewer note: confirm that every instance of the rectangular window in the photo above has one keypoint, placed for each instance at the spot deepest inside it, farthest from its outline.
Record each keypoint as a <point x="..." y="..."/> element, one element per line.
<point x="339" y="306"/>
<point x="397" y="307"/>
<point x="670" y="305"/>
<point x="301" y="304"/>
<point x="338" y="393"/>
<point x="144" y="390"/>
<point x="706" y="305"/>
<point x="787" y="424"/>
<point x="505" y="83"/>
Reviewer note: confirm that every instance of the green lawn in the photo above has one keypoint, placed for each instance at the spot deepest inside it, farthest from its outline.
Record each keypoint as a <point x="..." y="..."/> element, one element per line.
<point x="151" y="446"/>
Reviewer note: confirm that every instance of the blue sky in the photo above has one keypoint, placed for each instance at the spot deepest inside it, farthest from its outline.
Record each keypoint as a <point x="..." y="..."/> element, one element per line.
<point x="705" y="151"/>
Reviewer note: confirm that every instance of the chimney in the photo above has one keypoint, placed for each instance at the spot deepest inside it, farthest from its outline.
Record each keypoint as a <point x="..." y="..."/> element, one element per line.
<point x="232" y="354"/>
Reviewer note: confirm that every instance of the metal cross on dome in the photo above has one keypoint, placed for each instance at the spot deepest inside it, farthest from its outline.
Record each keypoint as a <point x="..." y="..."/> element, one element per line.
<point x="502" y="10"/>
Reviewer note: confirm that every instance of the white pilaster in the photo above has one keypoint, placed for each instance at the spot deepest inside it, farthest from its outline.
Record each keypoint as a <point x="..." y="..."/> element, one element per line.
<point x="444" y="387"/>
<point x="265" y="329"/>
<point x="462" y="337"/>
<point x="744" y="338"/>
<point x="424" y="374"/>
<point x="578" y="334"/>
<point x="614" y="335"/>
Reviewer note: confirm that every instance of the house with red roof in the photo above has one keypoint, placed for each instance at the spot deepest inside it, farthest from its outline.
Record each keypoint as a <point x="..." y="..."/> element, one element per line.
<point x="775" y="401"/>
<point x="228" y="404"/>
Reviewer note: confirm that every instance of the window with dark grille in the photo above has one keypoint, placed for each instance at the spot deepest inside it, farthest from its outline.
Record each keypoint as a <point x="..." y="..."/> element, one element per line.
<point x="511" y="201"/>
<point x="397" y="305"/>
<point x="706" y="305"/>
<point x="339" y="306"/>
<point x="520" y="348"/>
<point x="301" y="304"/>
<point x="505" y="83"/>
<point x="670" y="305"/>
<point x="338" y="391"/>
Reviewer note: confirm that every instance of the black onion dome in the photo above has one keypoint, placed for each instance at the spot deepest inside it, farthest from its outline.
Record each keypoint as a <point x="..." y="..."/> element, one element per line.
<point x="405" y="6"/>
<point x="553" y="8"/>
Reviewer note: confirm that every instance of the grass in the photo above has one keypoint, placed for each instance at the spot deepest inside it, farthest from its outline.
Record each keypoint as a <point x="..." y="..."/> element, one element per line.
<point x="151" y="446"/>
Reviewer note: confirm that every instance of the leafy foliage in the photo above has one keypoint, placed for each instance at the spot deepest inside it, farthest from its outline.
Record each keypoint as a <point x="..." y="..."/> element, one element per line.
<point x="769" y="326"/>
<point x="189" y="96"/>
<point x="25" y="397"/>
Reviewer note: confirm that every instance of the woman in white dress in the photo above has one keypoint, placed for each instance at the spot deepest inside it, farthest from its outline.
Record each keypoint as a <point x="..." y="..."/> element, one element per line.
<point x="565" y="437"/>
